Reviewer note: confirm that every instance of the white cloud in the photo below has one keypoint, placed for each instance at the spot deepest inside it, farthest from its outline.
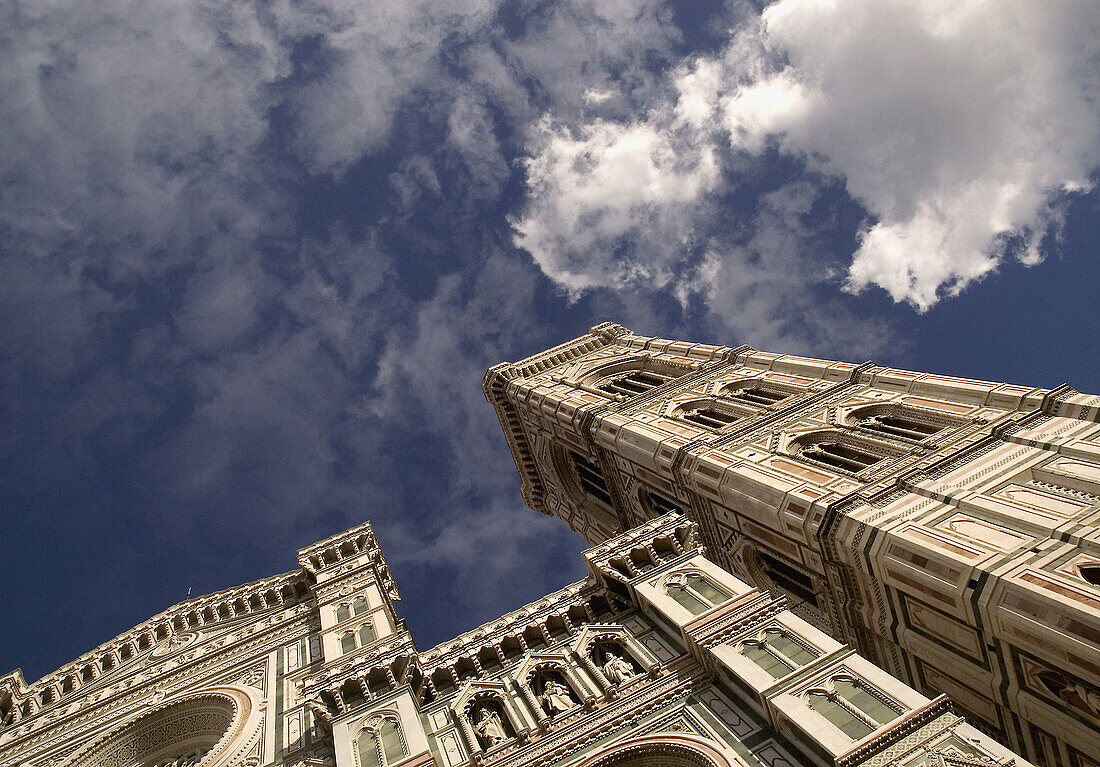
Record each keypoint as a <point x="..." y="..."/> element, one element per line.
<point x="611" y="206"/>
<point x="954" y="123"/>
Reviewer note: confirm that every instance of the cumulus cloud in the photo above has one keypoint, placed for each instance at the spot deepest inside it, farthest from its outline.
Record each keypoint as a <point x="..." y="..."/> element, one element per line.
<point x="959" y="126"/>
<point x="612" y="206"/>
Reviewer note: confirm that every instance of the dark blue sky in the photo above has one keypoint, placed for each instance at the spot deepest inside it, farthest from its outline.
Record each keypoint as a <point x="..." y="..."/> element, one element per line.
<point x="255" y="258"/>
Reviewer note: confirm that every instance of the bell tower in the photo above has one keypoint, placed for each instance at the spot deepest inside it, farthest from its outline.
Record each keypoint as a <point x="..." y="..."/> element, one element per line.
<point x="945" y="527"/>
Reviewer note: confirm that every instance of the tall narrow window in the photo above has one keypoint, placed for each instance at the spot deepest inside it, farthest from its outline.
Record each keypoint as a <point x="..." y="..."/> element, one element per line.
<point x="687" y="600"/>
<point x="368" y="750"/>
<point x="859" y="697"/>
<point x="591" y="478"/>
<point x="839" y="716"/>
<point x="756" y="396"/>
<point x="343" y="612"/>
<point x="347" y="643"/>
<point x="633" y="383"/>
<point x="789" y="578"/>
<point x="359" y="605"/>
<point x="366" y="634"/>
<point x="393" y="748"/>
<point x="840" y="456"/>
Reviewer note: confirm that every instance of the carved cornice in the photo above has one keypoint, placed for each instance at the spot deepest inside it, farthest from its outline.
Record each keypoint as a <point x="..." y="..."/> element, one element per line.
<point x="901" y="728"/>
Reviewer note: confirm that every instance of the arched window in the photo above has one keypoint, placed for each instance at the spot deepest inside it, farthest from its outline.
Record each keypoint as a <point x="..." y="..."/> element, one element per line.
<point x="343" y="612"/>
<point x="777" y="652"/>
<point x="359" y="605"/>
<point x="1090" y="572"/>
<point x="852" y="707"/>
<point x="633" y="383"/>
<point x="367" y="747"/>
<point x="709" y="416"/>
<point x="591" y="478"/>
<point x="858" y="696"/>
<point x="347" y="642"/>
<point x="695" y="592"/>
<point x="659" y="505"/>
<point x="756" y="395"/>
<point x="837" y="455"/>
<point x="366" y="634"/>
<point x="393" y="745"/>
<point x="788" y="577"/>
<point x="899" y="422"/>
<point x="758" y="653"/>
<point x="837" y="715"/>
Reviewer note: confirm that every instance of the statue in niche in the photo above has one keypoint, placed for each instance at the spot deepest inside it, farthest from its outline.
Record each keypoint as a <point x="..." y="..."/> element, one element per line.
<point x="616" y="668"/>
<point x="556" y="697"/>
<point x="490" y="727"/>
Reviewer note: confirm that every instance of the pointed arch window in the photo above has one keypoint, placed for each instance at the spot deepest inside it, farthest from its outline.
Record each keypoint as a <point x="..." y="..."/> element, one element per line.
<point x="347" y="643"/>
<point x="343" y="612"/>
<point x="358" y="606"/>
<point x="366" y="634"/>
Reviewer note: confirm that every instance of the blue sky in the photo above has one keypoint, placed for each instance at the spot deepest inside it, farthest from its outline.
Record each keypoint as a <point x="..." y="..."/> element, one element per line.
<point x="256" y="256"/>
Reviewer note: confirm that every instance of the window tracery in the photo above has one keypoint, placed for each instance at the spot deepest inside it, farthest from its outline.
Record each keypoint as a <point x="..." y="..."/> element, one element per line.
<point x="852" y="705"/>
<point x="777" y="652"/>
<point x="788" y="577"/>
<point x="695" y="592"/>
<point x="633" y="383"/>
<point x="381" y="742"/>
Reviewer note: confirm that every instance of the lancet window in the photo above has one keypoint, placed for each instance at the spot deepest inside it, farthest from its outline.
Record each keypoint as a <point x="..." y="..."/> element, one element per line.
<point x="343" y="612"/>
<point x="358" y="606"/>
<point x="347" y="642"/>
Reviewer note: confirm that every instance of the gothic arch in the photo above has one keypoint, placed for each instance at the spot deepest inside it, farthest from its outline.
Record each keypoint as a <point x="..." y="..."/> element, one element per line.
<point x="214" y="727"/>
<point x="662" y="750"/>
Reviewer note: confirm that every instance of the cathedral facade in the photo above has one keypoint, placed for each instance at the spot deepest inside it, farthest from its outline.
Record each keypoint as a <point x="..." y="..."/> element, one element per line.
<point x="658" y="657"/>
<point x="945" y="528"/>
